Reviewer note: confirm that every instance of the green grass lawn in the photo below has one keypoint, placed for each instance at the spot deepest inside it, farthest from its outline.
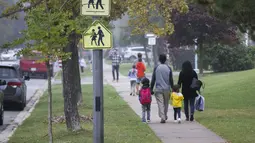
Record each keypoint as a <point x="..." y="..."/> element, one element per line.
<point x="230" y="105"/>
<point x="122" y="125"/>
<point x="125" y="67"/>
<point x="87" y="73"/>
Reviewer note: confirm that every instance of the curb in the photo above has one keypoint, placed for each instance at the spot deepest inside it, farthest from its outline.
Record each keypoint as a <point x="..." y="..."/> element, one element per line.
<point x="23" y="115"/>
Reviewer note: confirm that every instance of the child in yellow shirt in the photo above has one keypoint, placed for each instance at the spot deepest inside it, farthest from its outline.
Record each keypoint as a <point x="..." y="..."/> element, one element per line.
<point x="177" y="98"/>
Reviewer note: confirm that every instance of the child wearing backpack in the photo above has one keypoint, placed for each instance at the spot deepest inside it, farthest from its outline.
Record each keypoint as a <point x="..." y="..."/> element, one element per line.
<point x="145" y="99"/>
<point x="177" y="98"/>
<point x="132" y="77"/>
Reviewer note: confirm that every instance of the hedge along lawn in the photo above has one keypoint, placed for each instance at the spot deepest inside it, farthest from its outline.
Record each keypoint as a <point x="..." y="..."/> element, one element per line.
<point x="230" y="105"/>
<point x="121" y="123"/>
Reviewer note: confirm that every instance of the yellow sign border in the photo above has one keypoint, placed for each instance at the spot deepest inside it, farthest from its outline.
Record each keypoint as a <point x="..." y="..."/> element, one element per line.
<point x="101" y="24"/>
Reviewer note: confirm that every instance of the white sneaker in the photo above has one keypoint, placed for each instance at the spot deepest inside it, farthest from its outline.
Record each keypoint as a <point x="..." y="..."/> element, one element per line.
<point x="175" y="121"/>
<point x="179" y="120"/>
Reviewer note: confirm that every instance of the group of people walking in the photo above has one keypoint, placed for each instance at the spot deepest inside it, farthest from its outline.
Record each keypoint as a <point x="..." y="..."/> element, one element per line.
<point x="163" y="87"/>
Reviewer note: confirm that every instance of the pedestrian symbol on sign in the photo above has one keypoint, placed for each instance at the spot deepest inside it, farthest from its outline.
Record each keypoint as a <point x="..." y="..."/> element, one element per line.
<point x="101" y="35"/>
<point x="99" y="3"/>
<point x="91" y="2"/>
<point x="97" y="37"/>
<point x="93" y="37"/>
<point x="96" y="7"/>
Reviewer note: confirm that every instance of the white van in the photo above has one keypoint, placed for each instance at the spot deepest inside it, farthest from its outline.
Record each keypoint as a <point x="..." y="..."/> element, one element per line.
<point x="131" y="53"/>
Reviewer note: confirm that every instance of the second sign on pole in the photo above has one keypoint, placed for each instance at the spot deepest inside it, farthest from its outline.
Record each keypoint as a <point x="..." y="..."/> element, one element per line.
<point x="95" y="7"/>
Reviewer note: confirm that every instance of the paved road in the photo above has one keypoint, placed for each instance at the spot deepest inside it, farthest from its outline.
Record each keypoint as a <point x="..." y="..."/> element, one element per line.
<point x="32" y="86"/>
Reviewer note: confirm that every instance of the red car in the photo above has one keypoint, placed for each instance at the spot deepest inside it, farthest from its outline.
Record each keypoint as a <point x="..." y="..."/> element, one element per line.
<point x="29" y="65"/>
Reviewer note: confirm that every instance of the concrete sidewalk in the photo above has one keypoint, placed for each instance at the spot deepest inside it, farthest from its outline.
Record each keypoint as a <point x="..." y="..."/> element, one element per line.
<point x="170" y="132"/>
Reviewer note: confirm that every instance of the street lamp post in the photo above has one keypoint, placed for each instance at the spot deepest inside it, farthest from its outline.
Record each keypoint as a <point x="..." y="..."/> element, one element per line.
<point x="196" y="57"/>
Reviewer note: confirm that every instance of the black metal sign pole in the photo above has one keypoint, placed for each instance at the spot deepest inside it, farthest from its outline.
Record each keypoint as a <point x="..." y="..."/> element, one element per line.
<point x="98" y="114"/>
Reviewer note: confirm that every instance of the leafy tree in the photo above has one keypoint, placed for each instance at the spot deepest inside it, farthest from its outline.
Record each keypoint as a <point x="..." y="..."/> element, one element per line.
<point x="200" y="28"/>
<point x="239" y="12"/>
<point x="154" y="16"/>
<point x="46" y="30"/>
<point x="10" y="28"/>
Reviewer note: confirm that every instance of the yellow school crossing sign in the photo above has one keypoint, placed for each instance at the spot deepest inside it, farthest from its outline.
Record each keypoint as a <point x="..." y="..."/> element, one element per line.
<point x="97" y="37"/>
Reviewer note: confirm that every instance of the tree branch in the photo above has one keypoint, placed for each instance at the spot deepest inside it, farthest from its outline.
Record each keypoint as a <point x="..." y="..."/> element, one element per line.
<point x="21" y="9"/>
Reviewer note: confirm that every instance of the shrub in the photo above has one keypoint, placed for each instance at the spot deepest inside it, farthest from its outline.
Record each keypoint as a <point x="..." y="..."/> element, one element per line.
<point x="225" y="58"/>
<point x="252" y="54"/>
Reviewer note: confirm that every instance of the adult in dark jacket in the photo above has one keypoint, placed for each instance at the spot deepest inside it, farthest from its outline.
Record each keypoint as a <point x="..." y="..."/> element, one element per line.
<point x="185" y="80"/>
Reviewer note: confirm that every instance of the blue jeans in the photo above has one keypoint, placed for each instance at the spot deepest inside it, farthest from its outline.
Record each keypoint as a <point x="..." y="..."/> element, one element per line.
<point x="189" y="106"/>
<point x="146" y="109"/>
<point x="115" y="68"/>
<point x="177" y="111"/>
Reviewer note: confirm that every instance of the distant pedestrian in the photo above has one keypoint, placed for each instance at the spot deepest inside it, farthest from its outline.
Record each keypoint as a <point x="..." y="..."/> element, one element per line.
<point x="116" y="60"/>
<point x="140" y="73"/>
<point x="132" y="77"/>
<point x="145" y="100"/>
<point x="82" y="64"/>
<point x="163" y="78"/>
<point x="176" y="98"/>
<point x="186" y="77"/>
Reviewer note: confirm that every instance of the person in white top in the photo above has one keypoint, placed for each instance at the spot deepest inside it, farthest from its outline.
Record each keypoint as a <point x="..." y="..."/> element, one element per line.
<point x="82" y="64"/>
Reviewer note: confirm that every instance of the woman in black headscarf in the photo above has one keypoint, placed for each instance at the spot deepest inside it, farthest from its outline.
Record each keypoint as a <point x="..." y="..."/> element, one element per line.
<point x="185" y="80"/>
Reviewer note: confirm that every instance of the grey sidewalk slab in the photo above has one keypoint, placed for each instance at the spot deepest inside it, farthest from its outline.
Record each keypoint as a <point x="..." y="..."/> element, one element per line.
<point x="170" y="132"/>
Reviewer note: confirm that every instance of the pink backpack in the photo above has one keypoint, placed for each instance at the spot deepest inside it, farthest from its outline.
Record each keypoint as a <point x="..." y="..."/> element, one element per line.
<point x="145" y="96"/>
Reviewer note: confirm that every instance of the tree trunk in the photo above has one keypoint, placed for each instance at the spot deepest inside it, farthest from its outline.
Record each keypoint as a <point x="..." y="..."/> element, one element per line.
<point x="71" y="85"/>
<point x="146" y="55"/>
<point x="201" y="58"/>
<point x="155" y="56"/>
<point x="49" y="104"/>
<point x="172" y="58"/>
